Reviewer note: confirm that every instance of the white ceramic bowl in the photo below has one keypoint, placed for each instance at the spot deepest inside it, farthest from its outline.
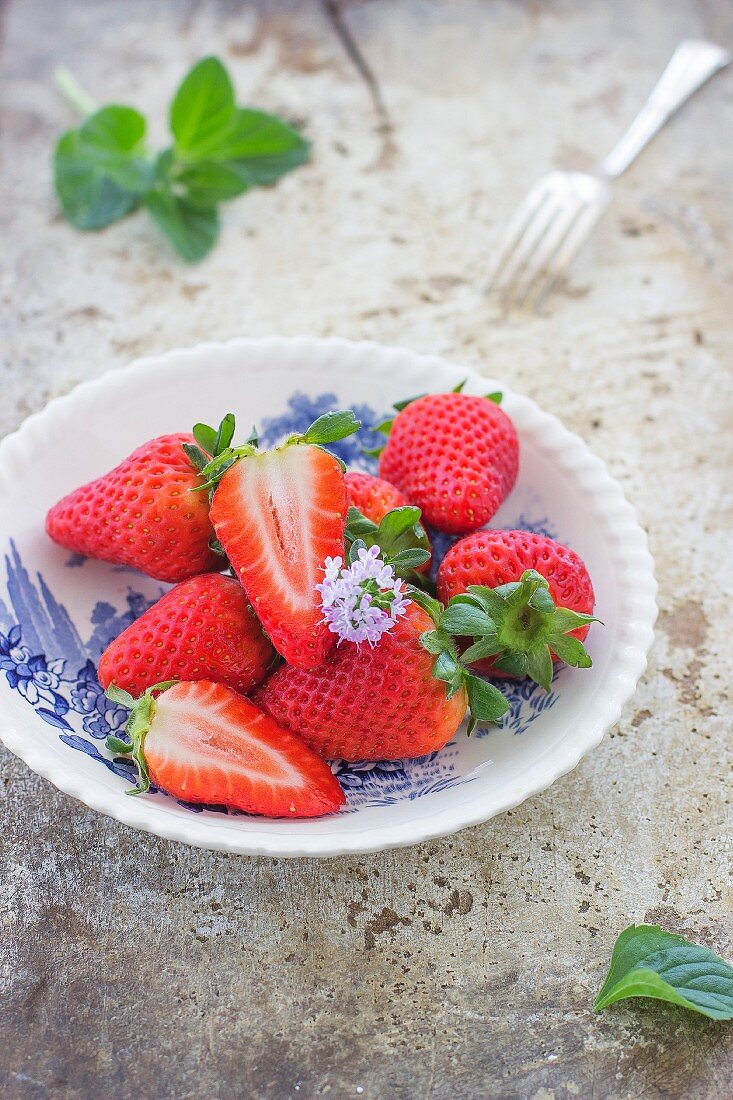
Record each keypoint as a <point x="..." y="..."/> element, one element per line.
<point x="57" y="611"/>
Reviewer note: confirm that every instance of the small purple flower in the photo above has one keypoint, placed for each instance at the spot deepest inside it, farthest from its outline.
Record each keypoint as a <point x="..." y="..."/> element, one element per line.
<point x="362" y="601"/>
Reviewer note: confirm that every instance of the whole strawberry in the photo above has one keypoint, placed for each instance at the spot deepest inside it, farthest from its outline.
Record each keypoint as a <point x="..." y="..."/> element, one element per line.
<point x="454" y="456"/>
<point x="205" y="743"/>
<point x="142" y="514"/>
<point x="364" y="703"/>
<point x="372" y="496"/>
<point x="202" y="629"/>
<point x="497" y="571"/>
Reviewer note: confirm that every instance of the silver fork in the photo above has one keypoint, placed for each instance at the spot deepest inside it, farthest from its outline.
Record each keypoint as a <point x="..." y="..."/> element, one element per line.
<point x="560" y="211"/>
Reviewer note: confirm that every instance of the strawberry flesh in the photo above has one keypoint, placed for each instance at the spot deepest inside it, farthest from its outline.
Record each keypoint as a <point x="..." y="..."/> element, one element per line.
<point x="207" y="744"/>
<point x="279" y="514"/>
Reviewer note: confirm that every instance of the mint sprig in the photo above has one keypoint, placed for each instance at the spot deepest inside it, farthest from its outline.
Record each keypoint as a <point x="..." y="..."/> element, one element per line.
<point x="103" y="170"/>
<point x="649" y="962"/>
<point x="399" y="535"/>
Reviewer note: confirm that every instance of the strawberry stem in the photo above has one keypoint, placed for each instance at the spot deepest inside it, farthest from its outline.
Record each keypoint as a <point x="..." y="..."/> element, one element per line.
<point x="141" y="715"/>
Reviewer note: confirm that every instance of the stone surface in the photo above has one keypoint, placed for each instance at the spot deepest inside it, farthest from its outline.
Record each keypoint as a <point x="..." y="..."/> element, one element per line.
<point x="467" y="967"/>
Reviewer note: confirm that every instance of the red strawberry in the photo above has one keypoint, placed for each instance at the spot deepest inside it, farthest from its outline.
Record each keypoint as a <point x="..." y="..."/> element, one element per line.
<point x="551" y="624"/>
<point x="278" y="515"/>
<point x="373" y="496"/>
<point x="379" y="703"/>
<point x="456" y="457"/>
<point x="142" y="514"/>
<point x="203" y="742"/>
<point x="202" y="629"/>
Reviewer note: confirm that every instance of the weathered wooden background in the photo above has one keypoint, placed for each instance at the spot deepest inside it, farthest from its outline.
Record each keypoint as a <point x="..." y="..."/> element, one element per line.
<point x="467" y="967"/>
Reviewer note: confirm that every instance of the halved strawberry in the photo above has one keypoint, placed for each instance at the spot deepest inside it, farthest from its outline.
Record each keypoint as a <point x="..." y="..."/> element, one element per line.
<point x="204" y="743"/>
<point x="278" y="515"/>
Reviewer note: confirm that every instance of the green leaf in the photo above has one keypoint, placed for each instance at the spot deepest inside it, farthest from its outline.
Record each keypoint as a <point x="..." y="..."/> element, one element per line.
<point x="431" y="606"/>
<point x="384" y="426"/>
<point x="400" y="405"/>
<point x="487" y="646"/>
<point x="225" y="433"/>
<point x="191" y="231"/>
<point x="459" y="387"/>
<point x="448" y="668"/>
<point x="649" y="962"/>
<point x="407" y="560"/>
<point x="465" y="619"/>
<point x="202" y="107"/>
<point x="496" y="397"/>
<point x="118" y="746"/>
<point x="486" y="702"/>
<point x="516" y="664"/>
<point x="100" y="170"/>
<point x="205" y="436"/>
<point x="489" y="599"/>
<point x="569" y="650"/>
<point x="396" y="523"/>
<point x="539" y="666"/>
<point x="198" y="458"/>
<point x="358" y="526"/>
<point x="541" y="600"/>
<point x="258" y="146"/>
<point x="208" y="183"/>
<point x="563" y="620"/>
<point x="434" y="641"/>
<point x="331" y="427"/>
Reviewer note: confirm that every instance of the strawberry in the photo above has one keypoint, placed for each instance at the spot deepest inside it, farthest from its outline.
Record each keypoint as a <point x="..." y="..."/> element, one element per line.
<point x="372" y="500"/>
<point x="386" y="701"/>
<point x="278" y="515"/>
<point x="535" y="596"/>
<point x="372" y="496"/>
<point x="204" y="743"/>
<point x="141" y="514"/>
<point x="202" y="629"/>
<point x="454" y="456"/>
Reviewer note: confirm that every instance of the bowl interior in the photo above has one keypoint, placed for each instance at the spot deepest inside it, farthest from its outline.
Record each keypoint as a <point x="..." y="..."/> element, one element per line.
<point x="58" y="611"/>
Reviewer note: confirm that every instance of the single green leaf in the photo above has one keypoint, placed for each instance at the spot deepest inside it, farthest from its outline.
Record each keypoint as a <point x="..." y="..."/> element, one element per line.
<point x="196" y="456"/>
<point x="541" y="600"/>
<point x="489" y="599"/>
<point x="407" y="560"/>
<point x="384" y="426"/>
<point x="486" y="702"/>
<point x="496" y="397"/>
<point x="225" y="433"/>
<point x="118" y="746"/>
<point x="459" y="387"/>
<point x="202" y="107"/>
<point x="356" y="546"/>
<point x="208" y="183"/>
<point x="100" y="170"/>
<point x="431" y="606"/>
<point x="564" y="620"/>
<point x="461" y="618"/>
<point x="257" y="146"/>
<point x="400" y="405"/>
<point x="205" y="436"/>
<point x="649" y="962"/>
<point x="539" y="666"/>
<point x="514" y="663"/>
<point x="488" y="646"/>
<point x="358" y="526"/>
<point x="396" y="523"/>
<point x="371" y="452"/>
<point x="191" y="231"/>
<point x="446" y="667"/>
<point x="433" y="641"/>
<point x="331" y="427"/>
<point x="569" y="650"/>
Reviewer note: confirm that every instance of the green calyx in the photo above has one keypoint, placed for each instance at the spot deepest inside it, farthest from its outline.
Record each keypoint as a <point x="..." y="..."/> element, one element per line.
<point x="142" y="711"/>
<point x="519" y="626"/>
<point x="486" y="703"/>
<point x="385" y="426"/>
<point x="400" y="537"/>
<point x="213" y="453"/>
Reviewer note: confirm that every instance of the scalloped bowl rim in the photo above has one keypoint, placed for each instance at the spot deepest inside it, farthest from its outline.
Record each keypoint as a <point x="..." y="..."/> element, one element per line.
<point x="636" y="581"/>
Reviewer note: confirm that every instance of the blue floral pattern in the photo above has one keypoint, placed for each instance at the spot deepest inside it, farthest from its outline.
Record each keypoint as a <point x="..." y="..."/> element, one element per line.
<point x="46" y="661"/>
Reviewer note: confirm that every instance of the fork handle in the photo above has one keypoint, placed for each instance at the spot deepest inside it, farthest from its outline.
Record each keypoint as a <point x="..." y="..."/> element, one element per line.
<point x="691" y="64"/>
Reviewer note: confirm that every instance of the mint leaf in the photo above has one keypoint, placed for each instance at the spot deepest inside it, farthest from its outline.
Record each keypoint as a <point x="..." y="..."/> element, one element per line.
<point x="208" y="183"/>
<point x="258" y="146"/>
<point x="649" y="962"/>
<point x="201" y="109"/>
<point x="192" y="231"/>
<point x="100" y="170"/>
<point x="467" y="620"/>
